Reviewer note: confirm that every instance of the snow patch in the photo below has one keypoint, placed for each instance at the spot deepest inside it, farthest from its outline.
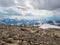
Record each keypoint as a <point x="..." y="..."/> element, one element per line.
<point x="47" y="26"/>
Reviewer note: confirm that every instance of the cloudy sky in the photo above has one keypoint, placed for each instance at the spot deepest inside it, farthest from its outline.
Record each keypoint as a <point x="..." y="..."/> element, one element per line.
<point x="29" y="9"/>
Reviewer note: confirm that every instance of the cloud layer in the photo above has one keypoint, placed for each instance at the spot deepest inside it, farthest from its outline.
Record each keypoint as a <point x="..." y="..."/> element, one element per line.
<point x="29" y="9"/>
<point x="46" y="4"/>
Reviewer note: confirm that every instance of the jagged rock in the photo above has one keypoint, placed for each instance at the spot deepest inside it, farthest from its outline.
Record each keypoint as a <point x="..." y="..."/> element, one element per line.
<point x="9" y="40"/>
<point x="25" y="43"/>
<point x="2" y="42"/>
<point x="12" y="44"/>
<point x="19" y="42"/>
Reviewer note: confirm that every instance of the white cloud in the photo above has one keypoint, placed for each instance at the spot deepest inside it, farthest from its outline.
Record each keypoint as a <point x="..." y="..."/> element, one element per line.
<point x="34" y="14"/>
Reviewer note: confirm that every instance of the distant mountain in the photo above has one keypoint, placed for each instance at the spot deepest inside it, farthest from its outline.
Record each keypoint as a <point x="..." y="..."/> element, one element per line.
<point x="54" y="22"/>
<point x="22" y="22"/>
<point x="25" y="22"/>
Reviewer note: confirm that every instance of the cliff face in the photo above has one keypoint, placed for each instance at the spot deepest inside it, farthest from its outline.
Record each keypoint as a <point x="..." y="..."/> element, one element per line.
<point x="18" y="35"/>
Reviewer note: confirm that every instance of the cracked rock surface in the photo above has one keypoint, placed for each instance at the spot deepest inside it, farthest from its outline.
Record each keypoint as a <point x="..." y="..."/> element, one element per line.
<point x="19" y="35"/>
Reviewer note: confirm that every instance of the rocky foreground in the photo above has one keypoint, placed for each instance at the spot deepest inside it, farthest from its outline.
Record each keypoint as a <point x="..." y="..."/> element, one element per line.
<point x="19" y="35"/>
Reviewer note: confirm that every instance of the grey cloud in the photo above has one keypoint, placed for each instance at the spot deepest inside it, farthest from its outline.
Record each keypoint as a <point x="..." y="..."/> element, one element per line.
<point x="9" y="12"/>
<point x="46" y="4"/>
<point x="56" y="12"/>
<point x="7" y="3"/>
<point x="21" y="2"/>
<point x="37" y="4"/>
<point x="3" y="16"/>
<point x="10" y="3"/>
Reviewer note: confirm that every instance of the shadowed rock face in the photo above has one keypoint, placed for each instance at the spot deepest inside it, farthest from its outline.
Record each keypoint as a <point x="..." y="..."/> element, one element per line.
<point x="18" y="35"/>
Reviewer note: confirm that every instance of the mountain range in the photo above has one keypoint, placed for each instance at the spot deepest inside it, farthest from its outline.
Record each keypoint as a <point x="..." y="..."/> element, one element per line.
<point x="25" y="22"/>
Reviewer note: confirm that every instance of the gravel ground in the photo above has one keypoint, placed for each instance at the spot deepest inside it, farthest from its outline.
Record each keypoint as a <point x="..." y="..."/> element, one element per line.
<point x="19" y="35"/>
